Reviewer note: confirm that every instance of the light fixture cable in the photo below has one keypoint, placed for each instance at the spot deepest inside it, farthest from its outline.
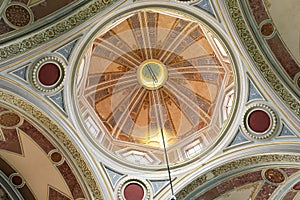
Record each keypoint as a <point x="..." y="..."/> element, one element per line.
<point x="155" y="80"/>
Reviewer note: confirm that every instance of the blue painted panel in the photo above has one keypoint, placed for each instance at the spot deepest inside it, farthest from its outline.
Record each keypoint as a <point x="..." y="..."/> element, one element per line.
<point x="58" y="98"/>
<point x="67" y="49"/>
<point x="158" y="185"/>
<point x="113" y="176"/>
<point x="239" y="138"/>
<point x="286" y="132"/>
<point x="205" y="5"/>
<point x="21" y="73"/>
<point x="253" y="92"/>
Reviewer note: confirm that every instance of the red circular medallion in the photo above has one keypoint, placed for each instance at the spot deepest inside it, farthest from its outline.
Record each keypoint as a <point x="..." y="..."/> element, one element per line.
<point x="274" y="176"/>
<point x="259" y="121"/>
<point x="133" y="191"/>
<point x="48" y="74"/>
<point x="17" y="180"/>
<point x="267" y="29"/>
<point x="297" y="186"/>
<point x="9" y="119"/>
<point x="56" y="157"/>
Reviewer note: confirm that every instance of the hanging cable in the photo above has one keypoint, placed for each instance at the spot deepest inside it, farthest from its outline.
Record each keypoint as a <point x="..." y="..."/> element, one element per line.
<point x="155" y="80"/>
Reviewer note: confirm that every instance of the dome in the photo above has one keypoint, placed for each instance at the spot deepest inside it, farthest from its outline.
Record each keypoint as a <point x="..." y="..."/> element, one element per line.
<point x="92" y="90"/>
<point x="155" y="75"/>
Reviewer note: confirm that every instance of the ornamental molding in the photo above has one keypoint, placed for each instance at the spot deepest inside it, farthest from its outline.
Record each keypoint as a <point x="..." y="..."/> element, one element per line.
<point x="60" y="64"/>
<point x="24" y="15"/>
<point x="274" y="122"/>
<point x="257" y="160"/>
<point x="32" y="41"/>
<point x="39" y="117"/>
<point x="264" y="68"/>
<point x="135" y="180"/>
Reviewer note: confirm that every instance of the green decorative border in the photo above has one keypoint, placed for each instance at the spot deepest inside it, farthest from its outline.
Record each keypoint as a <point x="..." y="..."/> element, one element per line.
<point x="60" y="135"/>
<point x="54" y="31"/>
<point x="237" y="164"/>
<point x="265" y="70"/>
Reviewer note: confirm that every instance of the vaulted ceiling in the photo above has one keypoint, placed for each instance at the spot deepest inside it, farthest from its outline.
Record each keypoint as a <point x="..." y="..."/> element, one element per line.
<point x="90" y="90"/>
<point x="190" y="79"/>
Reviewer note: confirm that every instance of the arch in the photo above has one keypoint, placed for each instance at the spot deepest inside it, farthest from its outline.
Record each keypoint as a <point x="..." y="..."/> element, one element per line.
<point x="40" y="131"/>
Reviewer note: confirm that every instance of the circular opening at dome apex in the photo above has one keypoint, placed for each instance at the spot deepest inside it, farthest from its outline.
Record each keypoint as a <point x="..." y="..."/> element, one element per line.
<point x="152" y="74"/>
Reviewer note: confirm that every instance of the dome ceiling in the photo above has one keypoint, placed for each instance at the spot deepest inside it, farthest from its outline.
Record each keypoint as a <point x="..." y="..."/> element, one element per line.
<point x="100" y="90"/>
<point x="153" y="68"/>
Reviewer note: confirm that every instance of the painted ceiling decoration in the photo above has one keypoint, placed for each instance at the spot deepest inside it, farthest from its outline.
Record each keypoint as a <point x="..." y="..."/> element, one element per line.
<point x="52" y="32"/>
<point x="66" y="50"/>
<point x="113" y="176"/>
<point x="260" y="121"/>
<point x="137" y="75"/>
<point x="254" y="93"/>
<point x="266" y="69"/>
<point x="206" y="5"/>
<point x="58" y="99"/>
<point x="19" y="136"/>
<point x="19" y="15"/>
<point x="86" y="85"/>
<point x="21" y="142"/>
<point x="48" y="74"/>
<point x="260" y="184"/>
<point x="286" y="132"/>
<point x="239" y="139"/>
<point x="3" y="193"/>
<point x="263" y="21"/>
<point x="134" y="188"/>
<point x="233" y="180"/>
<point x="21" y="73"/>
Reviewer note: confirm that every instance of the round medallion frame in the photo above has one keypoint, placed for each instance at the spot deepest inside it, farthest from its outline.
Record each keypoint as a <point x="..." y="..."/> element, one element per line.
<point x="133" y="180"/>
<point x="15" y="125"/>
<point x="161" y="78"/>
<point x="60" y="64"/>
<point x="263" y="174"/>
<point x="17" y="175"/>
<point x="55" y="151"/>
<point x="271" y="130"/>
<point x="31" y="19"/>
<point x="267" y="29"/>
